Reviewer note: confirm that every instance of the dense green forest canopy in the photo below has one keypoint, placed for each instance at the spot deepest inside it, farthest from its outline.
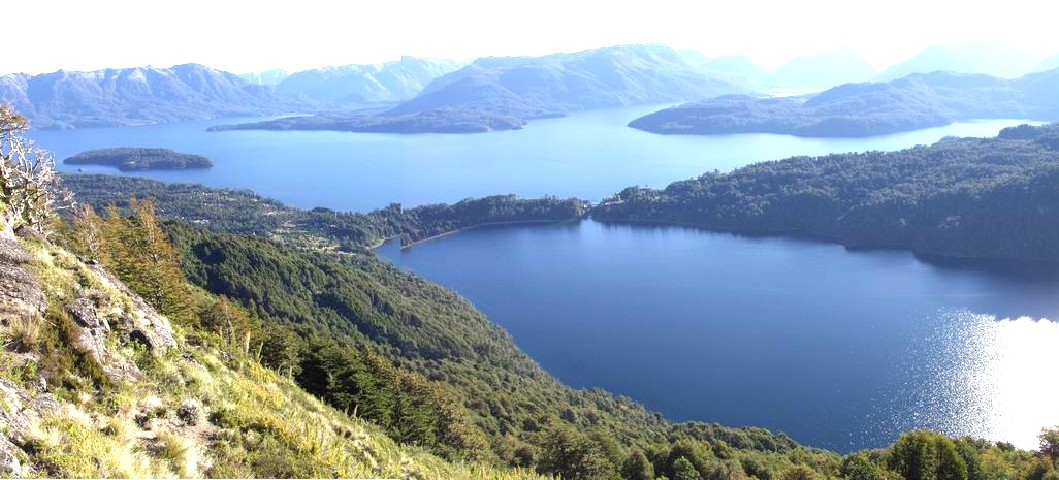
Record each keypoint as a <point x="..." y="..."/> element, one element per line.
<point x="989" y="198"/>
<point x="245" y="212"/>
<point x="140" y="159"/>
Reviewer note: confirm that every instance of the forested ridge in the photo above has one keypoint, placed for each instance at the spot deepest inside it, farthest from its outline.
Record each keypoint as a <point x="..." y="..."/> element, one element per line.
<point x="245" y="212"/>
<point x="983" y="198"/>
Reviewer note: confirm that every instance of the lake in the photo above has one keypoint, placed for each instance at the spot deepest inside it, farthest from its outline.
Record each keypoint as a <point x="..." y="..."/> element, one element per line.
<point x="838" y="349"/>
<point x="589" y="154"/>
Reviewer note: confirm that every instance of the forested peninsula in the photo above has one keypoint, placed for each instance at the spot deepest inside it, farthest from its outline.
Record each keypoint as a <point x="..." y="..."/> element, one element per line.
<point x="245" y="212"/>
<point x="140" y="159"/>
<point x="982" y="198"/>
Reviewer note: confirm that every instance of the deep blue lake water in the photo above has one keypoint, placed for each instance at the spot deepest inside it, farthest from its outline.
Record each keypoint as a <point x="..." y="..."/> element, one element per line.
<point x="838" y="349"/>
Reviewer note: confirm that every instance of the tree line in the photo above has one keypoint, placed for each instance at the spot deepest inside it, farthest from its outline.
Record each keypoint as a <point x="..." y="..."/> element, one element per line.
<point x="985" y="198"/>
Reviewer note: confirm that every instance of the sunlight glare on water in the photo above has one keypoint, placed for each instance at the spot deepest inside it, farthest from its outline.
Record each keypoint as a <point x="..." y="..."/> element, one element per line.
<point x="991" y="378"/>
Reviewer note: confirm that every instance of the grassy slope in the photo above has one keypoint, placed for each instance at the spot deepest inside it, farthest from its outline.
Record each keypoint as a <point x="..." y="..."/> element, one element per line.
<point x="240" y="420"/>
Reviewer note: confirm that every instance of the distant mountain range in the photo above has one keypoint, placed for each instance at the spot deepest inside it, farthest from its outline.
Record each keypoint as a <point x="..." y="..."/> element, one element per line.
<point x="806" y="73"/>
<point x="1049" y="63"/>
<point x="502" y="93"/>
<point x="823" y="70"/>
<point x="915" y="101"/>
<point x="426" y="95"/>
<point x="971" y="58"/>
<point x="131" y="96"/>
<point x="362" y="85"/>
<point x="269" y="78"/>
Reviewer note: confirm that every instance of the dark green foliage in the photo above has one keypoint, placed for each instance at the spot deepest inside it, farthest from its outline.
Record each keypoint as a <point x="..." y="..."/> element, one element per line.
<point x="244" y="212"/>
<point x="61" y="362"/>
<point x="637" y="467"/>
<point x="859" y="466"/>
<point x="683" y="469"/>
<point x="925" y="455"/>
<point x="571" y="455"/>
<point x="800" y="472"/>
<point x="1049" y="441"/>
<point x="140" y="159"/>
<point x="969" y="450"/>
<point x="992" y="198"/>
<point x="745" y="438"/>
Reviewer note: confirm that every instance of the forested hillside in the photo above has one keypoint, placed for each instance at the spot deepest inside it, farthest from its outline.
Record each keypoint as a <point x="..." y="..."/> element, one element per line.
<point x="986" y="198"/>
<point x="336" y="322"/>
<point x="244" y="212"/>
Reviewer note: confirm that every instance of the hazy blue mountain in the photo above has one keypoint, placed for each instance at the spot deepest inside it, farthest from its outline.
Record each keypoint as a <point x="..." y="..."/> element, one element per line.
<point x="267" y="77"/>
<point x="531" y="87"/>
<point x="823" y="70"/>
<point x="916" y="101"/>
<point x="1049" y="63"/>
<point x="502" y="93"/>
<point x="1039" y="97"/>
<point x="694" y="57"/>
<point x="367" y="84"/>
<point x="130" y="96"/>
<point x="740" y="68"/>
<point x="971" y="58"/>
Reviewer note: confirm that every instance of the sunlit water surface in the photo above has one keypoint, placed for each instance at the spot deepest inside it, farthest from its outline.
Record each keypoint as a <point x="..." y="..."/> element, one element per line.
<point x="839" y="349"/>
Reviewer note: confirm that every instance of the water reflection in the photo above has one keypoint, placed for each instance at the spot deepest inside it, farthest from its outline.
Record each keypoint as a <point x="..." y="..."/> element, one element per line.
<point x="840" y="349"/>
<point x="984" y="377"/>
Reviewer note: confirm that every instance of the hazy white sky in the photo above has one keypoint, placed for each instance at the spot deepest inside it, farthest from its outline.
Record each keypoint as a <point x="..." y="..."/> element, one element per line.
<point x="242" y="36"/>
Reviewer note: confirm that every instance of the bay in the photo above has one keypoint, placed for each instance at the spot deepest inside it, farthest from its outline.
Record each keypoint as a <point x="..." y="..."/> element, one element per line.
<point x="838" y="349"/>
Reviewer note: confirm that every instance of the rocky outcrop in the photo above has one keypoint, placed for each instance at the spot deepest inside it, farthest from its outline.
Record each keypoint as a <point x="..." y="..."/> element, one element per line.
<point x="22" y="411"/>
<point x="140" y="321"/>
<point x="20" y="293"/>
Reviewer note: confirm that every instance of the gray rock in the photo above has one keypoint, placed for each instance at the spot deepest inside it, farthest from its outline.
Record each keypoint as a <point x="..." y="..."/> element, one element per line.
<point x="90" y="331"/>
<point x="20" y="293"/>
<point x="142" y="321"/>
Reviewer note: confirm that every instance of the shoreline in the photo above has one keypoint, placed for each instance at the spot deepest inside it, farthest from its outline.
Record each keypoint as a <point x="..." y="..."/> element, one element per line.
<point x="478" y="225"/>
<point x="930" y="257"/>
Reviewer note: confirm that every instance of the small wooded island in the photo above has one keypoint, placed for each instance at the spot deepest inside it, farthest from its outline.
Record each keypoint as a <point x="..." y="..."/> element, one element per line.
<point x="140" y="159"/>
